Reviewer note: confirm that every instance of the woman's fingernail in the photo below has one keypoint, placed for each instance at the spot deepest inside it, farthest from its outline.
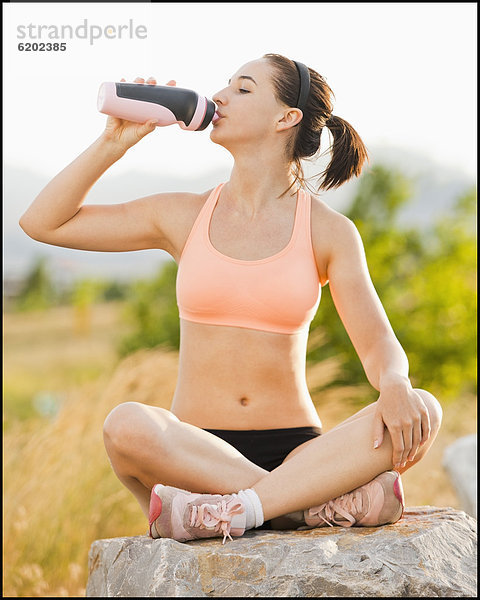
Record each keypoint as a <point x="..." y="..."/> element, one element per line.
<point x="375" y="444"/>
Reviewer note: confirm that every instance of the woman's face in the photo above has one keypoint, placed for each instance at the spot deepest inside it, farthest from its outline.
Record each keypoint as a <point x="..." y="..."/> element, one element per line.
<point x="247" y="107"/>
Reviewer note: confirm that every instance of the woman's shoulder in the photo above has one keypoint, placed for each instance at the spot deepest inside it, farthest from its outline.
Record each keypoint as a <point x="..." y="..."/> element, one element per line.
<point x="180" y="210"/>
<point x="180" y="206"/>
<point x="327" y="220"/>
<point x="188" y="200"/>
<point x="332" y="233"/>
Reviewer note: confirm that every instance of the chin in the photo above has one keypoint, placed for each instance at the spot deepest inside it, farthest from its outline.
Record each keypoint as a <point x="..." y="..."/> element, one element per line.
<point x="217" y="139"/>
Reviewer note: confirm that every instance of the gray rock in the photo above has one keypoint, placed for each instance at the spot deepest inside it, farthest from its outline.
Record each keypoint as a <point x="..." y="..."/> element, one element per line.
<point x="460" y="462"/>
<point x="431" y="551"/>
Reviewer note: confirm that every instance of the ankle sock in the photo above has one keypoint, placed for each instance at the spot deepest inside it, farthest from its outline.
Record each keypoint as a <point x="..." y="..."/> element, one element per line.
<point x="253" y="508"/>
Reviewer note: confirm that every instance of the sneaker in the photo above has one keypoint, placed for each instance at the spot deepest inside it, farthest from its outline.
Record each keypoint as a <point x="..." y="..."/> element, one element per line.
<point x="378" y="502"/>
<point x="183" y="516"/>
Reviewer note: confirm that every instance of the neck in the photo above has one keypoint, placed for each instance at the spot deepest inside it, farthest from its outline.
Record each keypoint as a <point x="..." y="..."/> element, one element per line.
<point x="256" y="180"/>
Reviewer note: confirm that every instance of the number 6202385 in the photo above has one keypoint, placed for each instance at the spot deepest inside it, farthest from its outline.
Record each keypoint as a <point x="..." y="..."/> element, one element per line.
<point x="42" y="47"/>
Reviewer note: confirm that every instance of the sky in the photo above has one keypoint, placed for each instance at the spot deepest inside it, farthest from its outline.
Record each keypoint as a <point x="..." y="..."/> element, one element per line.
<point x="403" y="74"/>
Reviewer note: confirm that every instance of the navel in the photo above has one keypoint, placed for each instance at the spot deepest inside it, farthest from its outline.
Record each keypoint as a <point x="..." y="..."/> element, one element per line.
<point x="244" y="401"/>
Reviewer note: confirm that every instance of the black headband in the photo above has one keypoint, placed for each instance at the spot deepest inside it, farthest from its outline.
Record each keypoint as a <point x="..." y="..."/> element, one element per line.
<point x="304" y="90"/>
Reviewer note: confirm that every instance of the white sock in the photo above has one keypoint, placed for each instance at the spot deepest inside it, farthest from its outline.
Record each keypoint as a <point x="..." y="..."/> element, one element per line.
<point x="249" y="509"/>
<point x="253" y="508"/>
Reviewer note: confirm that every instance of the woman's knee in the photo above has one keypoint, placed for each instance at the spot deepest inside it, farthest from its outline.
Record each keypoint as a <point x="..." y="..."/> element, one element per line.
<point x="435" y="417"/>
<point x="127" y="424"/>
<point x="434" y="408"/>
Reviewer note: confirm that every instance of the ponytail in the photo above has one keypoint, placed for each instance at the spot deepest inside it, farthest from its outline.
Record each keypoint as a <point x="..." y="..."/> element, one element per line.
<point x="348" y="154"/>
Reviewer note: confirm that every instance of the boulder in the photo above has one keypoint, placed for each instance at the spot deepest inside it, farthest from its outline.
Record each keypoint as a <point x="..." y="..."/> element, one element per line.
<point x="430" y="552"/>
<point x="460" y="462"/>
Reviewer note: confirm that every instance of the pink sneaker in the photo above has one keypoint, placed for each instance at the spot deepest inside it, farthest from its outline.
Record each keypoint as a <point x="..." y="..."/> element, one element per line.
<point x="183" y="516"/>
<point x="378" y="502"/>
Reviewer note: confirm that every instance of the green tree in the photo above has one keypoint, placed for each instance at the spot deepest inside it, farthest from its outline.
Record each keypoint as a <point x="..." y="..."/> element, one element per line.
<point x="38" y="290"/>
<point x="439" y="326"/>
<point x="84" y="294"/>
<point x="152" y="309"/>
<point x="115" y="291"/>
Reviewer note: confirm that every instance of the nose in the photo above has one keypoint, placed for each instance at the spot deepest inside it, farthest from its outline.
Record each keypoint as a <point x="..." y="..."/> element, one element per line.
<point x="219" y="97"/>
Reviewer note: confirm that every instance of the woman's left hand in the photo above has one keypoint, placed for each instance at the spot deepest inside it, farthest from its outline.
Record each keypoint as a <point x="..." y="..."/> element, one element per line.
<point x="403" y="412"/>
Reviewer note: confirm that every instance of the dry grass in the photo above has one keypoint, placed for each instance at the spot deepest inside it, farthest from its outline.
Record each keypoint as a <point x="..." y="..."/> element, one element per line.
<point x="61" y="493"/>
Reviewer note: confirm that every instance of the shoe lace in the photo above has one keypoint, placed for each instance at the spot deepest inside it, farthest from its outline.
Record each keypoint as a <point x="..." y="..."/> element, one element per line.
<point x="346" y="505"/>
<point x="217" y="516"/>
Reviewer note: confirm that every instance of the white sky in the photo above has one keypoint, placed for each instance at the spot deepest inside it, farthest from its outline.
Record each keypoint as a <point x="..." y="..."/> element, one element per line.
<point x="404" y="74"/>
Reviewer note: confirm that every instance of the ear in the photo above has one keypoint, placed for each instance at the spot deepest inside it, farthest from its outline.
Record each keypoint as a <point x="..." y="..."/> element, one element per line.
<point x="290" y="118"/>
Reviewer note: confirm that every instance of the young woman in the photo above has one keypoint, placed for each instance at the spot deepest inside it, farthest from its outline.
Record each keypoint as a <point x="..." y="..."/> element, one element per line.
<point x="242" y="445"/>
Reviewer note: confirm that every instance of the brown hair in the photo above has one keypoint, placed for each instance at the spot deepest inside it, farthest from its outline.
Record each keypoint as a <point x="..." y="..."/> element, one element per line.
<point x="348" y="151"/>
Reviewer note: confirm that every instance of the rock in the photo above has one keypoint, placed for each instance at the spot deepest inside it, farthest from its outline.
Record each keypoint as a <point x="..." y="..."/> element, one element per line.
<point x="460" y="462"/>
<point x="431" y="551"/>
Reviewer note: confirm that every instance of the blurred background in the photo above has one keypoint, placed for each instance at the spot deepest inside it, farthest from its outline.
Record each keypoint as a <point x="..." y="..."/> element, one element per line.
<point x="84" y="331"/>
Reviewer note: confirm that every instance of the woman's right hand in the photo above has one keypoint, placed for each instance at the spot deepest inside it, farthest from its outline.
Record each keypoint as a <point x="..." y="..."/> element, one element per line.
<point x="127" y="133"/>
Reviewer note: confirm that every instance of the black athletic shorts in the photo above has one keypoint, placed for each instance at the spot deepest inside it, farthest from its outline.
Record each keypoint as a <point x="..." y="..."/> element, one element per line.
<point x="267" y="448"/>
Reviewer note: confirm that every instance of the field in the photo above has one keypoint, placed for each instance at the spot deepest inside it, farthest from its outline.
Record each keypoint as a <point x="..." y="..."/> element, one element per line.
<point x="61" y="378"/>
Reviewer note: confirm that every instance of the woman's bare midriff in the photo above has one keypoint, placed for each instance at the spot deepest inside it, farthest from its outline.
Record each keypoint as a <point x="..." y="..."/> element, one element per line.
<point x="236" y="378"/>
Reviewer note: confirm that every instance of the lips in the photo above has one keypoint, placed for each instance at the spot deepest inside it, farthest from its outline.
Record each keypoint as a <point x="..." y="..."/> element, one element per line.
<point x="216" y="117"/>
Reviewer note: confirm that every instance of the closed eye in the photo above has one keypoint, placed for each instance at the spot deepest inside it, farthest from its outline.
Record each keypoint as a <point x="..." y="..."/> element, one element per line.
<point x="244" y="91"/>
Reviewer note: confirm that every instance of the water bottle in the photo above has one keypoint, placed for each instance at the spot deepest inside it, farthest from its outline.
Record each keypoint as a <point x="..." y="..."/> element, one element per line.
<point x="139" y="102"/>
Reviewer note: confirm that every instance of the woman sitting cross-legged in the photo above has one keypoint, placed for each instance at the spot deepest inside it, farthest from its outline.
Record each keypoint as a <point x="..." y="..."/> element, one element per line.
<point x="242" y="446"/>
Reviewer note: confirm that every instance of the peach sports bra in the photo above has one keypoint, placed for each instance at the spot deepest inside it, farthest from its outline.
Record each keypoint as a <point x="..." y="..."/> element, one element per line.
<point x="279" y="294"/>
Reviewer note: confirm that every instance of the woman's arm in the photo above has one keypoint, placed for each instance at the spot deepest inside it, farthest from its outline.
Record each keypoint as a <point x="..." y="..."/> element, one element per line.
<point x="58" y="216"/>
<point x="399" y="407"/>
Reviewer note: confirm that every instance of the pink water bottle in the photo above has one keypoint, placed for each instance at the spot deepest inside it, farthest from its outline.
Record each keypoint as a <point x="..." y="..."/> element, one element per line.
<point x="140" y="102"/>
